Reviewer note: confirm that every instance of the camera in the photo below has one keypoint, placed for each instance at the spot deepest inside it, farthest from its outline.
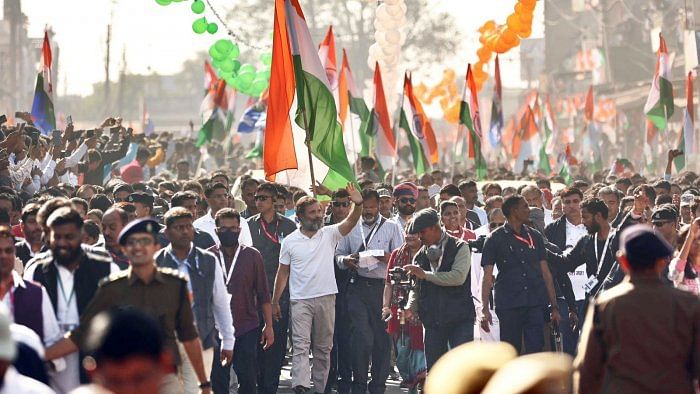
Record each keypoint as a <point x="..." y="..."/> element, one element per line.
<point x="401" y="284"/>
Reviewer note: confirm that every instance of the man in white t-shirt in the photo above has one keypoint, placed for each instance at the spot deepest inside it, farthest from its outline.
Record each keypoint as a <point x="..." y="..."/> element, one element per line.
<point x="306" y="260"/>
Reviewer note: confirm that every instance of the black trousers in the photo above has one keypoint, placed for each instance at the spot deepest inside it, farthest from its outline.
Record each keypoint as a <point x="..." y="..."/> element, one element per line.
<point x="270" y="360"/>
<point x="340" y="372"/>
<point x="219" y="375"/>
<point x="522" y="325"/>
<point x="368" y="336"/>
<point x="245" y="354"/>
<point x="439" y="339"/>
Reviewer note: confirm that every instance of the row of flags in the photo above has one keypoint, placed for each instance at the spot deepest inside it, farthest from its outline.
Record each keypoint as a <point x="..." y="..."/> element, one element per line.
<point x="313" y="117"/>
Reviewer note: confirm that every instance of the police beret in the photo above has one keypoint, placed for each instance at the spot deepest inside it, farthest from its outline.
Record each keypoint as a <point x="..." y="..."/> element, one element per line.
<point x="423" y="219"/>
<point x="664" y="213"/>
<point x="641" y="243"/>
<point x="144" y="225"/>
<point x="140" y="197"/>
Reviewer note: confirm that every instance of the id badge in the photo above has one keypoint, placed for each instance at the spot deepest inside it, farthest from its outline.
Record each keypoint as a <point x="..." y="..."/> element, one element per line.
<point x="591" y="283"/>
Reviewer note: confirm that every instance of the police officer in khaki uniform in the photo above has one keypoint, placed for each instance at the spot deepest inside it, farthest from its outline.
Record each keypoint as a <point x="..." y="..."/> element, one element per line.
<point x="160" y="292"/>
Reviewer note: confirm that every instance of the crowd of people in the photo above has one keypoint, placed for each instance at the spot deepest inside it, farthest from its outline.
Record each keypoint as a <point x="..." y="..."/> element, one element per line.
<point x="125" y="266"/>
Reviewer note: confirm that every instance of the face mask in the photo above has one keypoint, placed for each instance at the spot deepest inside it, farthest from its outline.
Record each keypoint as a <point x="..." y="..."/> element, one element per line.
<point x="289" y="213"/>
<point x="228" y="238"/>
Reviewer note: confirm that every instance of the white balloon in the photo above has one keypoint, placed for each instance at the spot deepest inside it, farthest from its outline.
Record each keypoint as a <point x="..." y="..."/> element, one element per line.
<point x="392" y="36"/>
<point x="375" y="50"/>
<point x="392" y="2"/>
<point x="403" y="6"/>
<point x="380" y="38"/>
<point x="391" y="60"/>
<point x="382" y="12"/>
<point x="394" y="10"/>
<point x="401" y="22"/>
<point x="387" y="24"/>
<point x="371" y="62"/>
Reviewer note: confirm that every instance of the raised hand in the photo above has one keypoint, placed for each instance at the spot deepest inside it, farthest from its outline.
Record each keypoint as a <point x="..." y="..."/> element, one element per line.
<point x="355" y="195"/>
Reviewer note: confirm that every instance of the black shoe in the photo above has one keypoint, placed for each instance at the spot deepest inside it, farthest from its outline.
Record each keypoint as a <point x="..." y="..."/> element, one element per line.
<point x="301" y="390"/>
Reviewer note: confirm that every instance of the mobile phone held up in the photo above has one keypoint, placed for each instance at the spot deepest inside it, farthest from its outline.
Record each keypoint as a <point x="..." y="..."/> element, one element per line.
<point x="56" y="137"/>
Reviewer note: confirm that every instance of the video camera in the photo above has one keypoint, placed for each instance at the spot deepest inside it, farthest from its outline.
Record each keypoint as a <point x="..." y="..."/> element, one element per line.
<point x="402" y="284"/>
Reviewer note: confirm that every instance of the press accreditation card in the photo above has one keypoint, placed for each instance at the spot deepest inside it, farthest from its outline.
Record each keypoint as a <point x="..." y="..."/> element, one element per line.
<point x="591" y="283"/>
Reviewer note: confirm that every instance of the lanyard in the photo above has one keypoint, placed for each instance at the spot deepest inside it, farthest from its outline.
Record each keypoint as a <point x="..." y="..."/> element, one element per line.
<point x="68" y="299"/>
<point x="602" y="256"/>
<point x="530" y="243"/>
<point x="227" y="277"/>
<point x="272" y="237"/>
<point x="366" y="241"/>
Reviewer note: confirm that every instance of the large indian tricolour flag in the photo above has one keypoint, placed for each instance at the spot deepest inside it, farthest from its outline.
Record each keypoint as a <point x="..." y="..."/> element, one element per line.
<point x="302" y="125"/>
<point x="419" y="131"/>
<point x="469" y="117"/>
<point x="659" y="106"/>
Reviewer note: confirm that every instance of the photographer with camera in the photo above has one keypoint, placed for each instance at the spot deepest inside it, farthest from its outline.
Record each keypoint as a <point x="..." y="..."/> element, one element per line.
<point x="442" y="298"/>
<point x="406" y="334"/>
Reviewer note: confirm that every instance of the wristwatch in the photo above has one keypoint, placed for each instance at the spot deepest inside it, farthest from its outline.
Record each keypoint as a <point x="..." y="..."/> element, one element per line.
<point x="205" y="385"/>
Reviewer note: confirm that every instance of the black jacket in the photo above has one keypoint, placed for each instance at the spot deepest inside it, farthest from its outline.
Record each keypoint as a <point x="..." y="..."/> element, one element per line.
<point x="555" y="233"/>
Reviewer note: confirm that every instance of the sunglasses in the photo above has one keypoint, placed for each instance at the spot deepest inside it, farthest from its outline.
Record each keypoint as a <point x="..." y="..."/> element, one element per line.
<point x="261" y="198"/>
<point x="493" y="225"/>
<point x="407" y="200"/>
<point x="341" y="204"/>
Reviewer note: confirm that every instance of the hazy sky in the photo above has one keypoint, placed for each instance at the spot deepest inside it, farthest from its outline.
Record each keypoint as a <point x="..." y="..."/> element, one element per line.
<point x="159" y="39"/>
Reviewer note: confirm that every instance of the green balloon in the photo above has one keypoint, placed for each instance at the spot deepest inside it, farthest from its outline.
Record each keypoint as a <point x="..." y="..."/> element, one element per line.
<point x="265" y="75"/>
<point x="229" y="79"/>
<point x="163" y="2"/>
<point x="197" y="7"/>
<point x="247" y="68"/>
<point x="259" y="85"/>
<point x="266" y="58"/>
<point x="199" y="26"/>
<point x="215" y="54"/>
<point x="212" y="28"/>
<point x="236" y="66"/>
<point x="223" y="46"/>
<point x="246" y="76"/>
<point x="227" y="65"/>
<point x="235" y="51"/>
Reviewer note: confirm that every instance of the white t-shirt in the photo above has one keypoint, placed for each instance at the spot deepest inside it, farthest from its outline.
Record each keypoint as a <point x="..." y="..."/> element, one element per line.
<point x="310" y="261"/>
<point x="578" y="277"/>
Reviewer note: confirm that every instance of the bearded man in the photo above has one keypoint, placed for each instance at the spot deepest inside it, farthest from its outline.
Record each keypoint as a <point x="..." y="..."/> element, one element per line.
<point x="305" y="257"/>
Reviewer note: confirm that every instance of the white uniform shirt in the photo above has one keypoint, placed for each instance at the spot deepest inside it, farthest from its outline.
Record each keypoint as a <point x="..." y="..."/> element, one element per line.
<point x="578" y="277"/>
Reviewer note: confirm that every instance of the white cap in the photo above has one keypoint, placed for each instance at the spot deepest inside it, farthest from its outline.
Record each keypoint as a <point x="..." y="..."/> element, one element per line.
<point x="8" y="348"/>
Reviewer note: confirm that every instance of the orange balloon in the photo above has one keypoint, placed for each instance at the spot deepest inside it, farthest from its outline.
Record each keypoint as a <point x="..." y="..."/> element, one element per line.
<point x="482" y="39"/>
<point x="484" y="54"/>
<point x="491" y="42"/>
<point x="526" y="18"/>
<point x="528" y="5"/>
<point x="480" y="78"/>
<point x="526" y="33"/>
<point x="509" y="37"/>
<point x="502" y="46"/>
<point x="489" y="25"/>
<point x="514" y="22"/>
<point x="519" y="9"/>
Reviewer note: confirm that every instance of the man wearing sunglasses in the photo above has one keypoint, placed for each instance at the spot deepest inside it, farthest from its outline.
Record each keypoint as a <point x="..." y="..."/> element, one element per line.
<point x="268" y="229"/>
<point x="365" y="252"/>
<point x="406" y="196"/>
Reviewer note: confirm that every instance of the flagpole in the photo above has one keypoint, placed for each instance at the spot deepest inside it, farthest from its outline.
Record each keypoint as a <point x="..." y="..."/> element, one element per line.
<point x="396" y="138"/>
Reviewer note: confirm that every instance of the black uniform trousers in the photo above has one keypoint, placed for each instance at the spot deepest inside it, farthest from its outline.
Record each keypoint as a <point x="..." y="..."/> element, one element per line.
<point x="270" y="360"/>
<point x="368" y="335"/>
<point x="522" y="325"/>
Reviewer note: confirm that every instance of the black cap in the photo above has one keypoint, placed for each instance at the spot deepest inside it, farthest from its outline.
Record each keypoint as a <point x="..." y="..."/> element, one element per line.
<point x="122" y="187"/>
<point x="141" y="197"/>
<point x="664" y="213"/>
<point x="641" y="244"/>
<point x="423" y="219"/>
<point x="145" y="225"/>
